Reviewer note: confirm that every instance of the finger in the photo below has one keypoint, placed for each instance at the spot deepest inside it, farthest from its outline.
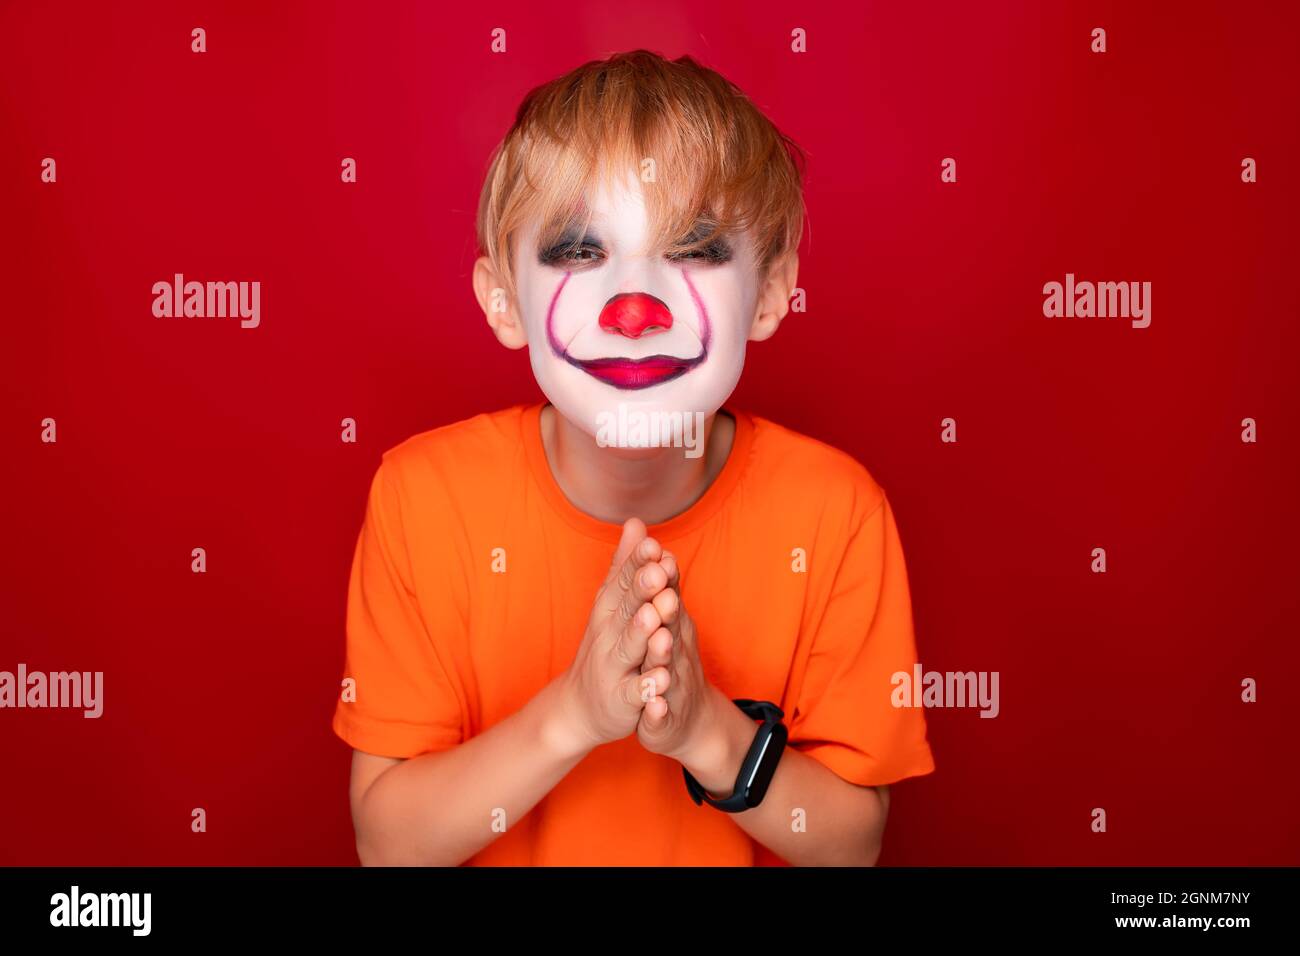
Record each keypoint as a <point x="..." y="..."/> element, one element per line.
<point x="654" y="716"/>
<point x="646" y="550"/>
<point x="639" y="689"/>
<point x="668" y="604"/>
<point x="633" y="532"/>
<point x="633" y="637"/>
<point x="669" y="562"/>
<point x="647" y="583"/>
<point x="659" y="650"/>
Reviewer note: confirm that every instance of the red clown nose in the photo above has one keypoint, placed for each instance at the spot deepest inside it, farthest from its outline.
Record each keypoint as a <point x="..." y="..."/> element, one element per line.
<point x="635" y="314"/>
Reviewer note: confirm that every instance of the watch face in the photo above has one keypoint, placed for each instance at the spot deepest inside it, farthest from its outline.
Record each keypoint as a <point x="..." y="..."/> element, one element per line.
<point x="767" y="763"/>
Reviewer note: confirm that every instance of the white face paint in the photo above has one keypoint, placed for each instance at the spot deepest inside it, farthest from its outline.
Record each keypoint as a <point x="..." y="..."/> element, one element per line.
<point x="609" y="322"/>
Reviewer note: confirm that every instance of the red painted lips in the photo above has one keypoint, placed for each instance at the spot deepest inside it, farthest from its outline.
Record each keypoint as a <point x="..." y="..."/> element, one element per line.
<point x="637" y="373"/>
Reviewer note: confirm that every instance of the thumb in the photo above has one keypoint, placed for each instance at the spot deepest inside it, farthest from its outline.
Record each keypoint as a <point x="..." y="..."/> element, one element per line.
<point x="655" y="716"/>
<point x="633" y="531"/>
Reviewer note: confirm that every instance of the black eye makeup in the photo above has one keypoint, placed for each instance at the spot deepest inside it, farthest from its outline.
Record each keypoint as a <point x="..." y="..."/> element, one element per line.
<point x="715" y="252"/>
<point x="573" y="248"/>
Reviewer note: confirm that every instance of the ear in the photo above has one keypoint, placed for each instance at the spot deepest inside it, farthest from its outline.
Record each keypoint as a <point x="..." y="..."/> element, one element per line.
<point x="493" y="298"/>
<point x="774" y="296"/>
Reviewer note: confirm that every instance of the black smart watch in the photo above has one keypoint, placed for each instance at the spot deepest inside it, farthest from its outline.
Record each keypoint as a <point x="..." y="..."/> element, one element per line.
<point x="759" y="765"/>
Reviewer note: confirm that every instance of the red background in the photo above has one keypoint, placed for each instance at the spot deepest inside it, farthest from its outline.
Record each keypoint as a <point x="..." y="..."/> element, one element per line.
<point x="1119" y="690"/>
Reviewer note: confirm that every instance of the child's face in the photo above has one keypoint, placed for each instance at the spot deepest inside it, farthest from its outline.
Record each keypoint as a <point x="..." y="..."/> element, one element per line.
<point x="609" y="321"/>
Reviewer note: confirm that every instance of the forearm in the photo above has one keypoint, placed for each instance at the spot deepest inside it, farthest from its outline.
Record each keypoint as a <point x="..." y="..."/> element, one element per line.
<point x="441" y="808"/>
<point x="841" y="823"/>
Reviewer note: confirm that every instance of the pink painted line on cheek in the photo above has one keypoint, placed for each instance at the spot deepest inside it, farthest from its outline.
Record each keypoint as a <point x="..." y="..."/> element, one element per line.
<point x="706" y="331"/>
<point x="556" y="347"/>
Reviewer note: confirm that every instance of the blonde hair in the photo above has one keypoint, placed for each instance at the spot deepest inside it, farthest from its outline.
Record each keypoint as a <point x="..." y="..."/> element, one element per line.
<point x="717" y="159"/>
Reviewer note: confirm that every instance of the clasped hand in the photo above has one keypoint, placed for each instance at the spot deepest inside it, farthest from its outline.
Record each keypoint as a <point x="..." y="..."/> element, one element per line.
<point x="638" y="667"/>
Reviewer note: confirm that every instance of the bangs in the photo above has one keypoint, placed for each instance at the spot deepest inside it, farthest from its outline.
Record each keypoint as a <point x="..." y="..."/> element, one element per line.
<point x="708" y="161"/>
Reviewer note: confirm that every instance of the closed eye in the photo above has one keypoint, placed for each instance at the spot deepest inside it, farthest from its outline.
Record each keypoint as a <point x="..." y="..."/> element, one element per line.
<point x="716" y="252"/>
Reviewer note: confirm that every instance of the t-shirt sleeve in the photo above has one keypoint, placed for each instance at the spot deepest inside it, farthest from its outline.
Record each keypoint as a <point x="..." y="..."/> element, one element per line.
<point x="844" y="715"/>
<point x="406" y="701"/>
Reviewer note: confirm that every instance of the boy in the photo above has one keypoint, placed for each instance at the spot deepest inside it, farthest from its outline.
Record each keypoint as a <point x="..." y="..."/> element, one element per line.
<point x="554" y="607"/>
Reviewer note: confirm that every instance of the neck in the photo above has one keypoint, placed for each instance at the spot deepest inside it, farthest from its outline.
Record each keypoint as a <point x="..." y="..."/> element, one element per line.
<point x="614" y="484"/>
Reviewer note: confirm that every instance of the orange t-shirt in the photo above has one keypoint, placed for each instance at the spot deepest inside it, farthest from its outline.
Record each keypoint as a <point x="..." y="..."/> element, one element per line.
<point x="790" y="565"/>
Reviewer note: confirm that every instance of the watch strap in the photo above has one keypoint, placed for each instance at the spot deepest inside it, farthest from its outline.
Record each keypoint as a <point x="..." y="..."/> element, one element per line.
<point x="759" y="764"/>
